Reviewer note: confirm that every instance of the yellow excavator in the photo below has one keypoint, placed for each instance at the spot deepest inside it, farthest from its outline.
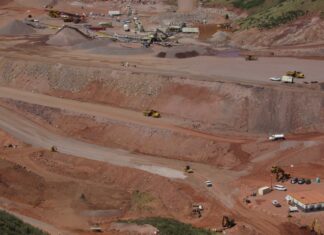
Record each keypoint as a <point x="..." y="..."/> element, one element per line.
<point x="152" y="113"/>
<point x="281" y="175"/>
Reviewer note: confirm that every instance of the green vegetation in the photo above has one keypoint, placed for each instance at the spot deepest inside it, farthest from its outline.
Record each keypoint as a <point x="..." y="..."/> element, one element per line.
<point x="10" y="225"/>
<point x="141" y="200"/>
<point x="247" y="4"/>
<point x="266" y="14"/>
<point x="271" y="21"/>
<point x="171" y="226"/>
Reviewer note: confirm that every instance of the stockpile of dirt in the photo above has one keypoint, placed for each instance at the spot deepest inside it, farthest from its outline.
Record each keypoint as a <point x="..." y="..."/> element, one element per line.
<point x="67" y="36"/>
<point x="183" y="52"/>
<point x="220" y="38"/>
<point x="16" y="27"/>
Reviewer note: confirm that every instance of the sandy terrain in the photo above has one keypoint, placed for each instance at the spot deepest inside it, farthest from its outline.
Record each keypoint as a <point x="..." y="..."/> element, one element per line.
<point x="87" y="97"/>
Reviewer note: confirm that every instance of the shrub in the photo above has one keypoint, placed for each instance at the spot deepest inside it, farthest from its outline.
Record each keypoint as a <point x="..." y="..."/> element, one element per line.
<point x="11" y="225"/>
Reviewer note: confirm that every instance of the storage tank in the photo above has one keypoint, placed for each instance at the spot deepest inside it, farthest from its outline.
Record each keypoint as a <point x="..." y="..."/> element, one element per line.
<point x="187" y="5"/>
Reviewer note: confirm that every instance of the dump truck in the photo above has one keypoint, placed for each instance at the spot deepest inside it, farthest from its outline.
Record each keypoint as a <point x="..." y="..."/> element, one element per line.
<point x="295" y="74"/>
<point x="152" y="113"/>
<point x="251" y="58"/>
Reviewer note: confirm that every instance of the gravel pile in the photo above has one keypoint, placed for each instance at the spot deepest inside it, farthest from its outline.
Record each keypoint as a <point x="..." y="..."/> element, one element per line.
<point x="220" y="38"/>
<point x="16" y="27"/>
<point x="67" y="37"/>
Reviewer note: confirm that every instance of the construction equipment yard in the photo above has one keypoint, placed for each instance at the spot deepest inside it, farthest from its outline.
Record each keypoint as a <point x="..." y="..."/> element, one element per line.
<point x="115" y="111"/>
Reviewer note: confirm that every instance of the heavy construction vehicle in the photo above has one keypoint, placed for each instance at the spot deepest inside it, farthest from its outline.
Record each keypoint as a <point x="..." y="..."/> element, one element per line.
<point x="188" y="169"/>
<point x="152" y="113"/>
<point x="295" y="74"/>
<point x="138" y="25"/>
<point x="251" y="58"/>
<point x="197" y="210"/>
<point x="53" y="149"/>
<point x="228" y="222"/>
<point x="67" y="17"/>
<point x="158" y="37"/>
<point x="54" y="14"/>
<point x="281" y="175"/>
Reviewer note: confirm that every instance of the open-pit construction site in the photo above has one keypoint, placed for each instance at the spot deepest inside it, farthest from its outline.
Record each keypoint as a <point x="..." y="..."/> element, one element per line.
<point x="161" y="117"/>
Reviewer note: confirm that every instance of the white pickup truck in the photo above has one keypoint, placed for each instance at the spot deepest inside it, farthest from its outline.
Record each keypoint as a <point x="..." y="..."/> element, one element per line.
<point x="277" y="137"/>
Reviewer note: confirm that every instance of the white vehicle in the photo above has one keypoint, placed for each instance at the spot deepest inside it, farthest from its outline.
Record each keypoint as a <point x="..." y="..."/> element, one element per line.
<point x="276" y="203"/>
<point x="293" y="209"/>
<point x="280" y="187"/>
<point x="287" y="79"/>
<point x="208" y="183"/>
<point x="126" y="27"/>
<point x="276" y="79"/>
<point x="277" y="137"/>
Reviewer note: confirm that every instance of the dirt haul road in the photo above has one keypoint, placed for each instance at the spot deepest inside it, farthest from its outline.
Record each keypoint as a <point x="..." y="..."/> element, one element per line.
<point x="32" y="134"/>
<point x="107" y="112"/>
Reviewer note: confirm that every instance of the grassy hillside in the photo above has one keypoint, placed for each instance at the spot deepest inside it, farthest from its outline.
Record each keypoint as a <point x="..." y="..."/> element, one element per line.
<point x="10" y="225"/>
<point x="281" y="13"/>
<point x="265" y="14"/>
<point x="172" y="227"/>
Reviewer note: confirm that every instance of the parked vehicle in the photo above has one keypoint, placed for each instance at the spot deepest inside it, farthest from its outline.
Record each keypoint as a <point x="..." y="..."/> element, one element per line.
<point x="276" y="79"/>
<point x="280" y="187"/>
<point x="276" y="203"/>
<point x="301" y="181"/>
<point x="308" y="181"/>
<point x="209" y="183"/>
<point x="287" y="79"/>
<point x="293" y="209"/>
<point x="294" y="180"/>
<point x="277" y="137"/>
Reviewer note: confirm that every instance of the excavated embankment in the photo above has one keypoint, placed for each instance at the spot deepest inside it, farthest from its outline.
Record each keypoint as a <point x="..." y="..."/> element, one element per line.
<point x="213" y="106"/>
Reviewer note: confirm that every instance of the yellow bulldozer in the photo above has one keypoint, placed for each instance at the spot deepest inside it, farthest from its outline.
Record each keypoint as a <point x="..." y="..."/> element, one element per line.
<point x="188" y="169"/>
<point x="152" y="113"/>
<point x="295" y="74"/>
<point x="281" y="175"/>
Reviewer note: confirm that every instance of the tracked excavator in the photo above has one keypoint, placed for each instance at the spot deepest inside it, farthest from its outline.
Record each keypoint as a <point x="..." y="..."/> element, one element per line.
<point x="281" y="175"/>
<point x="228" y="222"/>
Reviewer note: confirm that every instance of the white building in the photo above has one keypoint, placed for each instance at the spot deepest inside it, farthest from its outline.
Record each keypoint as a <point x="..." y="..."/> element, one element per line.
<point x="307" y="200"/>
<point x="114" y="13"/>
